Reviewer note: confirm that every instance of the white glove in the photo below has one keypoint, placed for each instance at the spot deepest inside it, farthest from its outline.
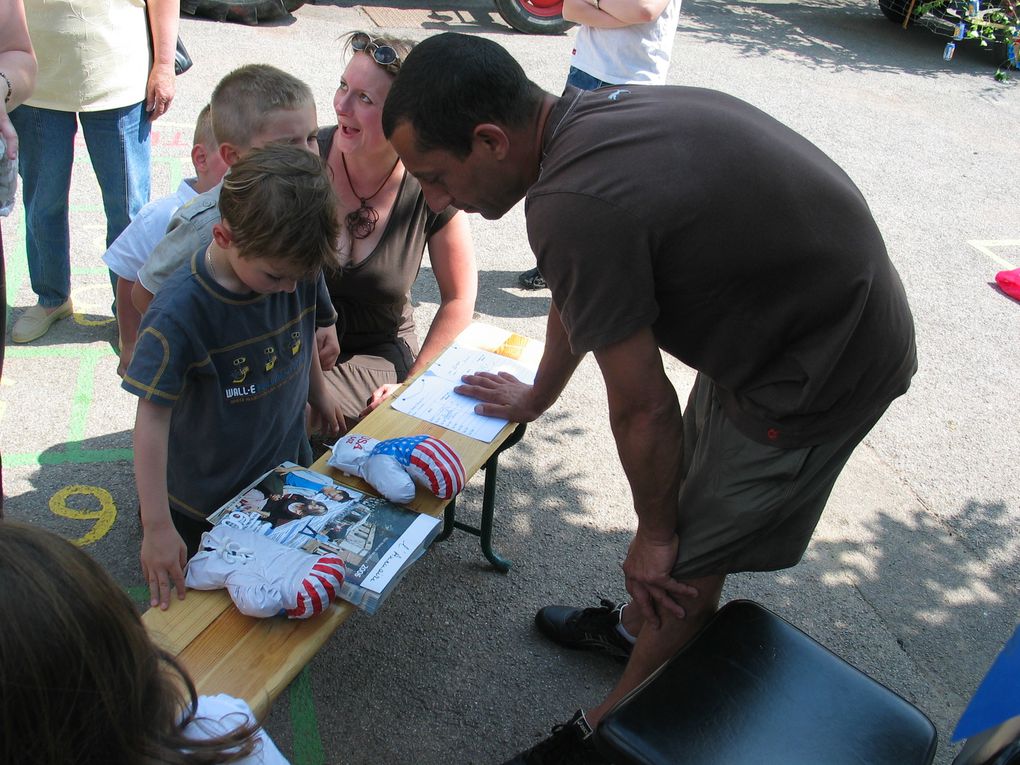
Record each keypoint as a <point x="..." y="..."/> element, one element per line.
<point x="263" y="576"/>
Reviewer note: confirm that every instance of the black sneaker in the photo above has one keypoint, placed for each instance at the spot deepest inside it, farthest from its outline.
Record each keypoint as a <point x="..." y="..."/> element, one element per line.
<point x="569" y="744"/>
<point x="531" y="280"/>
<point x="591" y="629"/>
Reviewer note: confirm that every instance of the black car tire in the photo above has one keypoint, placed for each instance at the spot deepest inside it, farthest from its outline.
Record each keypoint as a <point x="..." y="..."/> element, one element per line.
<point x="532" y="19"/>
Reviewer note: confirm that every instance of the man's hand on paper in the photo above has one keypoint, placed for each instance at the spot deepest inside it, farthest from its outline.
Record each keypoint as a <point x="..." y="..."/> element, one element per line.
<point x="502" y="394"/>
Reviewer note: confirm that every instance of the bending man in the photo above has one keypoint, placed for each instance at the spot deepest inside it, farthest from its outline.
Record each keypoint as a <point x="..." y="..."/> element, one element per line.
<point x="680" y="220"/>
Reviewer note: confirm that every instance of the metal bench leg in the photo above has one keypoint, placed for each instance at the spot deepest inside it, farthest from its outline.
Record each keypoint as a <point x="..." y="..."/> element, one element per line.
<point x="488" y="508"/>
<point x="450" y="522"/>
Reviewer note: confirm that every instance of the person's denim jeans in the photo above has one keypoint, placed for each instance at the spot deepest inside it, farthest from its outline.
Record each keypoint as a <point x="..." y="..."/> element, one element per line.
<point x="118" y="144"/>
<point x="584" y="81"/>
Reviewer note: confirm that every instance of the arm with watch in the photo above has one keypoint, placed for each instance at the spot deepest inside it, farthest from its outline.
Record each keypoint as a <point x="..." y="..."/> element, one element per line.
<point x="17" y="69"/>
<point x="613" y="14"/>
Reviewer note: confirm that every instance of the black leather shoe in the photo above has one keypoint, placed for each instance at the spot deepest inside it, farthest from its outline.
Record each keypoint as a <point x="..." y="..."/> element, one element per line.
<point x="569" y="744"/>
<point x="590" y="629"/>
<point x="532" y="280"/>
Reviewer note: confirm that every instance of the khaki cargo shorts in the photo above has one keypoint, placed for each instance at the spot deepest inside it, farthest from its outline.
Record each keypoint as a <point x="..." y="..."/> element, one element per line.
<point x="747" y="506"/>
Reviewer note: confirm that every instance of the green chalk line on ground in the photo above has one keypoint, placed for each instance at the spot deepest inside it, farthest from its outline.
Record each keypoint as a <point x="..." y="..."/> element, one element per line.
<point x="304" y="723"/>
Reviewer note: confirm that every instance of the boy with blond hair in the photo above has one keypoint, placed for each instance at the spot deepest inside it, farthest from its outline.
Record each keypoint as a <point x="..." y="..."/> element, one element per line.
<point x="132" y="248"/>
<point x="224" y="361"/>
<point x="252" y="106"/>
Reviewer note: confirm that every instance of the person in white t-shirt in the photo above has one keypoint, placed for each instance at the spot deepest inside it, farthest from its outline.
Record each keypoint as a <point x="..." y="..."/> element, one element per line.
<point x="132" y="248"/>
<point x="83" y="681"/>
<point x="619" y="42"/>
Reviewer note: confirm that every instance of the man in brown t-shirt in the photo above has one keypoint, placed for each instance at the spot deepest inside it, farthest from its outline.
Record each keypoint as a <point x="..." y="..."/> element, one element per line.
<point x="680" y="220"/>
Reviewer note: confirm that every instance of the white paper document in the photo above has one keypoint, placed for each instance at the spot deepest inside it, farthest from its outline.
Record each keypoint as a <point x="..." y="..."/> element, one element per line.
<point x="431" y="397"/>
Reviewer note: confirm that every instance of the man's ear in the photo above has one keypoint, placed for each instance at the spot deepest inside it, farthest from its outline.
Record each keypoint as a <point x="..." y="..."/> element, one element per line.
<point x="222" y="234"/>
<point x="492" y="139"/>
<point x="229" y="154"/>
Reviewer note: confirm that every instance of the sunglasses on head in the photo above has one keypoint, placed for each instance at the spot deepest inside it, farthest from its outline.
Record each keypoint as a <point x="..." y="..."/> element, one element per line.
<point x="384" y="55"/>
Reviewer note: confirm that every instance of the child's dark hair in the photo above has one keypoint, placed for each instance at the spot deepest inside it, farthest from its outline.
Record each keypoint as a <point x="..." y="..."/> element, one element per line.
<point x="243" y="100"/>
<point x="81" y="680"/>
<point x="279" y="203"/>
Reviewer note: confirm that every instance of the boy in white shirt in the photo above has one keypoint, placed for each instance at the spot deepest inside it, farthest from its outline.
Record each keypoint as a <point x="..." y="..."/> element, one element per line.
<point x="132" y="248"/>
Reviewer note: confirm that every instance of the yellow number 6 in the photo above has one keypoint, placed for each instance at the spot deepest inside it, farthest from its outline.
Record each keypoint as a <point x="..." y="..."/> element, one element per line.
<point x="104" y="516"/>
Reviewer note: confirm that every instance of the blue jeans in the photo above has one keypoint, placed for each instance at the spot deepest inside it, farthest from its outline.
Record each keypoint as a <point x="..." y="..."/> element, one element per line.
<point x="584" y="81"/>
<point x="118" y="143"/>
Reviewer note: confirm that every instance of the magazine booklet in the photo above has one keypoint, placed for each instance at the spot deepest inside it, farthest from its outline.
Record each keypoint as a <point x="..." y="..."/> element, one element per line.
<point x="298" y="507"/>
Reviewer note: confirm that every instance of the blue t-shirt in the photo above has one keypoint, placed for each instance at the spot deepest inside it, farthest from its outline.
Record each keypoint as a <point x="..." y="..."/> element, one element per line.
<point x="235" y="370"/>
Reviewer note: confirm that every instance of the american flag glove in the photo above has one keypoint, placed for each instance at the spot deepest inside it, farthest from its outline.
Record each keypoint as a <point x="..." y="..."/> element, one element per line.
<point x="389" y="466"/>
<point x="432" y="463"/>
<point x="263" y="577"/>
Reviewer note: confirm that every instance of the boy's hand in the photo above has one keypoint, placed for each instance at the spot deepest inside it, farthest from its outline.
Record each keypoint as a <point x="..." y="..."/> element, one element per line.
<point x="126" y="352"/>
<point x="325" y="417"/>
<point x="163" y="557"/>
<point x="327" y="346"/>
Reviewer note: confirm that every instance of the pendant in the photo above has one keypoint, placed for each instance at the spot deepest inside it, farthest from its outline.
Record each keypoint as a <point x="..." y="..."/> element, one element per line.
<point x="361" y="222"/>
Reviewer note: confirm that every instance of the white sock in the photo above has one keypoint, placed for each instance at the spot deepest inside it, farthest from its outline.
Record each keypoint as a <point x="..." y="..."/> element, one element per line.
<point x="623" y="630"/>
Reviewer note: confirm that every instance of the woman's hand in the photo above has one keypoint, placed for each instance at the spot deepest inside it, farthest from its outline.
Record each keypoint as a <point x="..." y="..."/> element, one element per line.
<point x="379" y="395"/>
<point x="8" y="133"/>
<point x="160" y="90"/>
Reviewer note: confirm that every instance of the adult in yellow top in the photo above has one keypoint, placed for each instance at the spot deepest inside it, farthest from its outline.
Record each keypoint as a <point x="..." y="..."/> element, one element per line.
<point x="109" y="65"/>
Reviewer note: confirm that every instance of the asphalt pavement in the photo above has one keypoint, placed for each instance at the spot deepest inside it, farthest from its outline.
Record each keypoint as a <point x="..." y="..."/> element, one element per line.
<point x="912" y="575"/>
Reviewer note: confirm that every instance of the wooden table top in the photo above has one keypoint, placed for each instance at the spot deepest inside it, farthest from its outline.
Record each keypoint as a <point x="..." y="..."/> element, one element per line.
<point x="225" y="651"/>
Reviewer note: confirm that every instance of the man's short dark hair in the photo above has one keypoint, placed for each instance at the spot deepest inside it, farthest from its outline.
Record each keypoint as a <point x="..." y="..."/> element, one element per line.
<point x="452" y="82"/>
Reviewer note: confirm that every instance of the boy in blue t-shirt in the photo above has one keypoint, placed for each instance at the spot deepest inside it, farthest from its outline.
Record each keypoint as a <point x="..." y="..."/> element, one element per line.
<point x="223" y="363"/>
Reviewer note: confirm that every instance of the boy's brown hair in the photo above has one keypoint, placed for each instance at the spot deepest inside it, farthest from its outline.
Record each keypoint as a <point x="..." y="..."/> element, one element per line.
<point x="244" y="98"/>
<point x="279" y="203"/>
<point x="204" y="135"/>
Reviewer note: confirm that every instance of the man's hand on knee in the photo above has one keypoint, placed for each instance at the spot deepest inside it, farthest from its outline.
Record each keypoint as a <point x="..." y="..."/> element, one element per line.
<point x="652" y="588"/>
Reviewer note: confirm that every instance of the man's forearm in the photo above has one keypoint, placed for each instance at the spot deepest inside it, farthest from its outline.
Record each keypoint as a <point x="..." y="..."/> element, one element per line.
<point x="557" y="365"/>
<point x="649" y="440"/>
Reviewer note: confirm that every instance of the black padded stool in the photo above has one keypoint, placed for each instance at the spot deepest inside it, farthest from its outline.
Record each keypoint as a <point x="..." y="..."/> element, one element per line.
<point x="752" y="689"/>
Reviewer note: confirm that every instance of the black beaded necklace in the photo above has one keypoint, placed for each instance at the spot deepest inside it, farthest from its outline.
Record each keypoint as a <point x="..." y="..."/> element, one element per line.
<point x="361" y="222"/>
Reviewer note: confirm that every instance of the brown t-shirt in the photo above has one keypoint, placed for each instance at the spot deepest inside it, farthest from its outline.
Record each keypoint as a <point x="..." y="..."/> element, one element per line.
<point x="750" y="254"/>
<point x="374" y="295"/>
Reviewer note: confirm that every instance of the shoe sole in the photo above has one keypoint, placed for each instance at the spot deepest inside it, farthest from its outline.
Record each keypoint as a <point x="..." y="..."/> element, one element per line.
<point x="53" y="318"/>
<point x="594" y="644"/>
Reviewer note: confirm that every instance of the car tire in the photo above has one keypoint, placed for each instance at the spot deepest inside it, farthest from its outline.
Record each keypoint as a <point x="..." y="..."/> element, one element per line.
<point x="534" y="17"/>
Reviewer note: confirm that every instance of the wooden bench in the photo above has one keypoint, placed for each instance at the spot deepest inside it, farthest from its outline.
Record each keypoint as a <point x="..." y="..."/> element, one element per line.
<point x="255" y="659"/>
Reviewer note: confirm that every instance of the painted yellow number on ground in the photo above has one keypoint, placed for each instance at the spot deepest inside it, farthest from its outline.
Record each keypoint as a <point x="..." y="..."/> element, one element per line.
<point x="104" y="516"/>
